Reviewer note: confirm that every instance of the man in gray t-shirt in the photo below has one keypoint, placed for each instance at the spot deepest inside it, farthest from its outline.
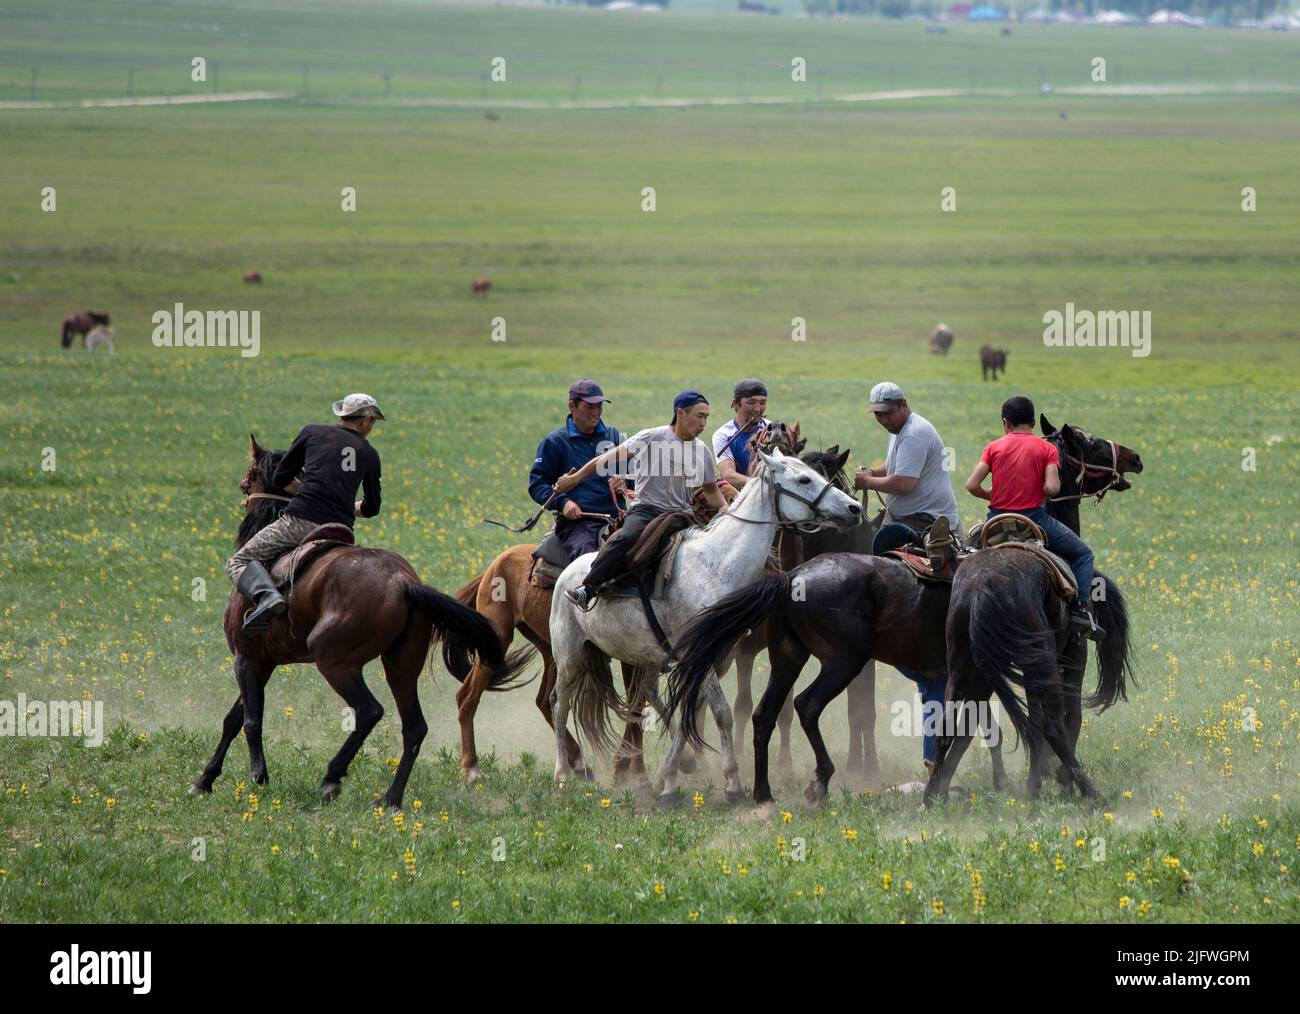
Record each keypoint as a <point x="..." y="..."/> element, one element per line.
<point x="668" y="463"/>
<point x="917" y="489"/>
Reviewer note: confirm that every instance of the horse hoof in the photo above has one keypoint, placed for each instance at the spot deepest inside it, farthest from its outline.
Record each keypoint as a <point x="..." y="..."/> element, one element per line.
<point x="669" y="801"/>
<point x="735" y="798"/>
<point x="814" y="793"/>
<point x="198" y="790"/>
<point x="329" y="792"/>
<point x="473" y="775"/>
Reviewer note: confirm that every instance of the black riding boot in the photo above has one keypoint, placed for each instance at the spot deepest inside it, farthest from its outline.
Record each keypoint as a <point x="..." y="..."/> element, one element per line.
<point x="256" y="584"/>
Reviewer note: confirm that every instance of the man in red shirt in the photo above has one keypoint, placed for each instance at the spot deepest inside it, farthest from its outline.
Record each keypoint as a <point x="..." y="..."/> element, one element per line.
<point x="1026" y="470"/>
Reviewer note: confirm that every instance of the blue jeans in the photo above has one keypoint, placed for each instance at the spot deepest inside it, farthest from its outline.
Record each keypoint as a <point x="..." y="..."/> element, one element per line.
<point x="931" y="695"/>
<point x="1065" y="544"/>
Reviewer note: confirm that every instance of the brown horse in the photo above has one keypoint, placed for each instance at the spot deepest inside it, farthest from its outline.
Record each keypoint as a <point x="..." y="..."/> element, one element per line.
<point x="81" y="324"/>
<point x="941" y="339"/>
<point x="252" y="278"/>
<point x="992" y="359"/>
<point x="351" y="605"/>
<point x="481" y="286"/>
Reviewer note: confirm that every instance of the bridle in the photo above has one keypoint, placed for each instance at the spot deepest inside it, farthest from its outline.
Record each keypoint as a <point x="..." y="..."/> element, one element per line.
<point x="267" y="496"/>
<point x="780" y="491"/>
<point x="1089" y="470"/>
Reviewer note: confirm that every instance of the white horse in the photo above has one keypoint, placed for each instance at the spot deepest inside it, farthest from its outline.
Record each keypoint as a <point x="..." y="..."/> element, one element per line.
<point x="711" y="562"/>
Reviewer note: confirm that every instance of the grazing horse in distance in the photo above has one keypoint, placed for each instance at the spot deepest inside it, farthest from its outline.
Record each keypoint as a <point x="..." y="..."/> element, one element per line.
<point x="992" y="359"/>
<point x="252" y="278"/>
<point x="941" y="339"/>
<point x="480" y="286"/>
<point x="81" y="324"/>
<point x="351" y="605"/>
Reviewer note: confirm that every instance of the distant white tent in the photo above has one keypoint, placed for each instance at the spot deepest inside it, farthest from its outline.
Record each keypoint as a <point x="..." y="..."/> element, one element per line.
<point x="1114" y="18"/>
<point x="1176" y="19"/>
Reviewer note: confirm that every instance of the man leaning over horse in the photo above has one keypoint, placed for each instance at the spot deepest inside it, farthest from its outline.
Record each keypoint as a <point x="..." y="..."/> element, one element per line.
<point x="668" y="462"/>
<point x="583" y="436"/>
<point x="334" y="461"/>
<point x="919" y="503"/>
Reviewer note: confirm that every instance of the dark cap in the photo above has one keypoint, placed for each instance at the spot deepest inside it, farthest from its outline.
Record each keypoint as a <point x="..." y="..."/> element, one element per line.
<point x="686" y="399"/>
<point x="748" y="388"/>
<point x="588" y="391"/>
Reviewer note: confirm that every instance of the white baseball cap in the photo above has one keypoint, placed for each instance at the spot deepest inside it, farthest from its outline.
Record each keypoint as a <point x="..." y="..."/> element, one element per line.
<point x="884" y="392"/>
<point x="358" y="404"/>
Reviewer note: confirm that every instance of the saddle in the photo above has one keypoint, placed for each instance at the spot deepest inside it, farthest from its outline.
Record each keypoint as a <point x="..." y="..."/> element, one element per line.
<point x="549" y="560"/>
<point x="286" y="568"/>
<point x="920" y="566"/>
<point x="1017" y="532"/>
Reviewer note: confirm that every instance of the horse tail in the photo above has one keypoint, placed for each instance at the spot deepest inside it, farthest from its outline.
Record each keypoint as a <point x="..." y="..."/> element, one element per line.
<point x="469" y="594"/>
<point x="67" y="333"/>
<point x="710" y="638"/>
<point x="1114" y="653"/>
<point x="465" y="633"/>
<point x="1008" y="650"/>
<point x="595" y="699"/>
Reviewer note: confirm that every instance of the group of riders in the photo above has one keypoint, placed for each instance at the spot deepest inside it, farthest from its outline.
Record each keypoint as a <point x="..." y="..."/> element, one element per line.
<point x="592" y="477"/>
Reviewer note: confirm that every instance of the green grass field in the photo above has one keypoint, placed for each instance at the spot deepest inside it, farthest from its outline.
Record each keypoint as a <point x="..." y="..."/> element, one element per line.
<point x="826" y="212"/>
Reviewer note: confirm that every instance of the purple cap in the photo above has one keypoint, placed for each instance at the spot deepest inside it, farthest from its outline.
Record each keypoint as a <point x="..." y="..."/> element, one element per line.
<point x="588" y="391"/>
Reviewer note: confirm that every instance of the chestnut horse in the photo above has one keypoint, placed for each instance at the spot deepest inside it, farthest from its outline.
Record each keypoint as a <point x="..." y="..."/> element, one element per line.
<point x="80" y="324"/>
<point x="351" y="605"/>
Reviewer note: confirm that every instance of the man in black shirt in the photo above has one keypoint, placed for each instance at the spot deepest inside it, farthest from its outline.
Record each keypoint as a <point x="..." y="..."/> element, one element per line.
<point x="334" y="462"/>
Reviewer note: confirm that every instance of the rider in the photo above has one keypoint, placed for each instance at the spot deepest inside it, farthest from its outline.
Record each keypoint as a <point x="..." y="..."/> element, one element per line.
<point x="667" y="463"/>
<point x="335" y="461"/>
<point x="918" y="493"/>
<point x="731" y="440"/>
<point x="582" y="437"/>
<point x="1026" y="469"/>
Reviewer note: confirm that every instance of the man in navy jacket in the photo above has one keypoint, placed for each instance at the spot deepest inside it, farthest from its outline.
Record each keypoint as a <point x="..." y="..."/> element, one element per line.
<point x="582" y="437"/>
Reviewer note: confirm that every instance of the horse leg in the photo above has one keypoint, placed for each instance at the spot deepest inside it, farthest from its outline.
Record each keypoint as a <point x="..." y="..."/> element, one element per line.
<point x="723" y="718"/>
<point x="402" y="665"/>
<point x="468" y="695"/>
<point x="545" y="695"/>
<point x="784" y="759"/>
<point x="665" y="779"/>
<point x="349" y="684"/>
<point x="787" y="659"/>
<point x="1072" y="671"/>
<point x="230" y="726"/>
<point x="862" y="724"/>
<point x="744" y="707"/>
<point x="992" y="733"/>
<point x="1056" y="733"/>
<point x="1037" y="745"/>
<point x="252" y="676"/>
<point x="630" y="760"/>
<point x="835" y="676"/>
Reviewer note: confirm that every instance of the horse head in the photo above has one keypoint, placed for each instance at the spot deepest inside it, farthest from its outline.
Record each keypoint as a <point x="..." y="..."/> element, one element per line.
<point x="263" y="502"/>
<point x="829" y="464"/>
<point x="1097" y="465"/>
<point x="807" y="499"/>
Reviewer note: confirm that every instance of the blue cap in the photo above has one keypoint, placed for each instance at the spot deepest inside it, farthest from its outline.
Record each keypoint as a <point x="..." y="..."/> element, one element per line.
<point x="685" y="400"/>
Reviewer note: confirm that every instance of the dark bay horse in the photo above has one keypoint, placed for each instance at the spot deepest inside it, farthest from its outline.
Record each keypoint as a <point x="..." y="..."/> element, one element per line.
<point x="1009" y="626"/>
<point x="81" y="324"/>
<point x="352" y="605"/>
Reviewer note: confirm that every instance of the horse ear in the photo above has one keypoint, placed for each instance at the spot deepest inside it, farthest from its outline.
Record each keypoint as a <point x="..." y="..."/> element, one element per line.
<point x="1048" y="428"/>
<point x="799" y="445"/>
<point x="833" y="450"/>
<point x="843" y="458"/>
<point x="773" y="459"/>
<point x="795" y="429"/>
<point x="255" y="450"/>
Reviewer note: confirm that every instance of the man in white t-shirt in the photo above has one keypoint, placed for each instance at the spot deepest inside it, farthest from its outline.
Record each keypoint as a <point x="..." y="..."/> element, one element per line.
<point x="668" y="463"/>
<point x="731" y="439"/>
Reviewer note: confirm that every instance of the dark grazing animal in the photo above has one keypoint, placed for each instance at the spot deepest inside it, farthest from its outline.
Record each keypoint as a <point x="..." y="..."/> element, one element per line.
<point x="941" y="339"/>
<point x="81" y="324"/>
<point x="992" y="359"/>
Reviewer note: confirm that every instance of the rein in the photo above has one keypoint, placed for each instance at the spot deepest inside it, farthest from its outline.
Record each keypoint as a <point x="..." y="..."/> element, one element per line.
<point x="268" y="496"/>
<point x="1088" y="470"/>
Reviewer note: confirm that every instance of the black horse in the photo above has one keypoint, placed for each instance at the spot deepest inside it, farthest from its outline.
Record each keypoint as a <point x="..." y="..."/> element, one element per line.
<point x="1008" y="625"/>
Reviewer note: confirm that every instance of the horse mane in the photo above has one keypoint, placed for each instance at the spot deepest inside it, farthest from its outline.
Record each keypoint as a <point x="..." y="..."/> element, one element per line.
<point x="263" y="511"/>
